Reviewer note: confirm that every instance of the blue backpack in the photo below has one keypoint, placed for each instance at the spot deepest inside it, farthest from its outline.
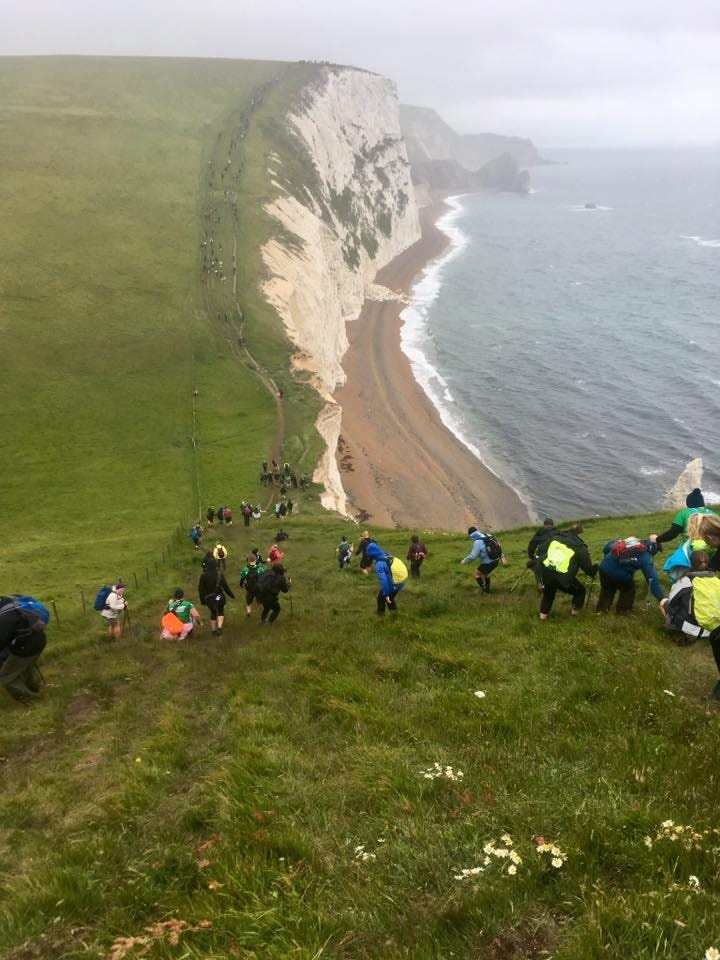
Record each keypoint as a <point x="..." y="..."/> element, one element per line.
<point x="101" y="598"/>
<point x="25" y="604"/>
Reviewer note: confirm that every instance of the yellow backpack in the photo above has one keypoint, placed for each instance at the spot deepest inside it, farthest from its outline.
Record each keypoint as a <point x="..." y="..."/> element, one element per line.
<point x="398" y="570"/>
<point x="706" y="601"/>
<point x="558" y="556"/>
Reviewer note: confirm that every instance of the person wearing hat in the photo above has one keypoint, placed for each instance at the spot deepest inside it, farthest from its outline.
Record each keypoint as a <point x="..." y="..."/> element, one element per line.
<point x="115" y="604"/>
<point x="184" y="612"/>
<point x="22" y="639"/>
<point x="621" y="561"/>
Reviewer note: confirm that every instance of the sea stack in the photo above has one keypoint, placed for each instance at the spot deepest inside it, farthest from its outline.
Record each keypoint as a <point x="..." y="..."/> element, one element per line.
<point x="690" y="478"/>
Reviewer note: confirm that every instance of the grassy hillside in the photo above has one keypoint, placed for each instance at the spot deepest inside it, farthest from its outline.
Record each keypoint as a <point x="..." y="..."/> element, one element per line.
<point x="267" y="788"/>
<point x="107" y="325"/>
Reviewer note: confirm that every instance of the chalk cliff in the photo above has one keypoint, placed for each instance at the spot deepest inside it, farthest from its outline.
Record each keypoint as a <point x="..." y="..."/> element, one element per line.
<point x="354" y="214"/>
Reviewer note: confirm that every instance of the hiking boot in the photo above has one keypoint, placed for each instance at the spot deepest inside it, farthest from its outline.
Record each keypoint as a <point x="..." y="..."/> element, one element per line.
<point x="544" y="616"/>
<point x="218" y="632"/>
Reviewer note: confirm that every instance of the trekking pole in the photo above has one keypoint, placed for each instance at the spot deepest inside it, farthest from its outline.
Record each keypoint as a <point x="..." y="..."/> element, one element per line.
<point x="519" y="580"/>
<point x="590" y="592"/>
<point x="126" y="620"/>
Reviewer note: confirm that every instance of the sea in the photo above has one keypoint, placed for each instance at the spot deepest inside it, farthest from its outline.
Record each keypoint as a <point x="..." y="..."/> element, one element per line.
<point x="571" y="337"/>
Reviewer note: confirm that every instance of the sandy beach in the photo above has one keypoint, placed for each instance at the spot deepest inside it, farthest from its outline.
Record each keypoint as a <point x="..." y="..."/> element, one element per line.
<point x="399" y="464"/>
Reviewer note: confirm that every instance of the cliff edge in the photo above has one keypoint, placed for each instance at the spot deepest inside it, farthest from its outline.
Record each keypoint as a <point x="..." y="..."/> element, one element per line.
<point x="353" y="215"/>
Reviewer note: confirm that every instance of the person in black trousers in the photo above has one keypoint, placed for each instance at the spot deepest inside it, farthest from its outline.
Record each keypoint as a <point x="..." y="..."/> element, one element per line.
<point x="212" y="589"/>
<point x="268" y="589"/>
<point x="563" y="577"/>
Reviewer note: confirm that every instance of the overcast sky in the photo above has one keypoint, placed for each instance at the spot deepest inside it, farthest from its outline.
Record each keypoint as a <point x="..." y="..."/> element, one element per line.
<point x="564" y="72"/>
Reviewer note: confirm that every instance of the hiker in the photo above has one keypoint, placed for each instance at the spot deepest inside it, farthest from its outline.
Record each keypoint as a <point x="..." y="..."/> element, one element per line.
<point x="212" y="589"/>
<point x="220" y="555"/>
<point x="23" y="620"/>
<point x="693" y="606"/>
<point x="540" y="539"/>
<point x="682" y="521"/>
<point x="290" y="506"/>
<point x="249" y="576"/>
<point x="227" y="516"/>
<point x="280" y="536"/>
<point x="115" y="604"/>
<point x="383" y="571"/>
<point x="257" y="513"/>
<point x="564" y="556"/>
<point x="416" y="554"/>
<point x="275" y="554"/>
<point x="282" y="509"/>
<point x="488" y="551"/>
<point x="268" y="589"/>
<point x="247" y="512"/>
<point x="180" y="617"/>
<point x="196" y="535"/>
<point x="210" y="517"/>
<point x="258" y="556"/>
<point x="678" y="607"/>
<point x="343" y="552"/>
<point x="220" y="514"/>
<point x="621" y="560"/>
<point x="362" y="548"/>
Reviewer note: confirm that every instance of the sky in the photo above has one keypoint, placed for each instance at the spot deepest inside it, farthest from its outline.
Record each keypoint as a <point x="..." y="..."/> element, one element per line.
<point x="563" y="72"/>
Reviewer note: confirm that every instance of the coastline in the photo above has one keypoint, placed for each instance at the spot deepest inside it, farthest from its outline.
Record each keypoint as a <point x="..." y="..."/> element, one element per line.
<point x="400" y="464"/>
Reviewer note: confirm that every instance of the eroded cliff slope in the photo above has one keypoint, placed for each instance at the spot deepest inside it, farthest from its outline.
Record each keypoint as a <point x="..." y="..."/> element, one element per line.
<point x="355" y="212"/>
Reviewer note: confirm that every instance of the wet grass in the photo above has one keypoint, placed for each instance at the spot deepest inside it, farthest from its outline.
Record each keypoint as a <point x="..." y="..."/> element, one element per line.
<point x="230" y="780"/>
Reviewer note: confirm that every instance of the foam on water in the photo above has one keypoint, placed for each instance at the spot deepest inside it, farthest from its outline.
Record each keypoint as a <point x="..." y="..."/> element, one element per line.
<point x="416" y="338"/>
<point x="564" y="341"/>
<point x="701" y="241"/>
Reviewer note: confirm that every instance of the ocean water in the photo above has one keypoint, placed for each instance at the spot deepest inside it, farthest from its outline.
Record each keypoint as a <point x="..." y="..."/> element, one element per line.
<point x="577" y="351"/>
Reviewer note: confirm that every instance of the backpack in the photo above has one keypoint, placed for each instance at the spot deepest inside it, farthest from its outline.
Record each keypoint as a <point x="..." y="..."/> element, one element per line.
<point x="494" y="550"/>
<point x="25" y="604"/>
<point x="625" y="554"/>
<point x="221" y="553"/>
<point x="693" y="609"/>
<point x="264" y="584"/>
<point x="559" y="556"/>
<point x="344" y="549"/>
<point x="101" y="598"/>
<point x="398" y="570"/>
<point x="706" y="599"/>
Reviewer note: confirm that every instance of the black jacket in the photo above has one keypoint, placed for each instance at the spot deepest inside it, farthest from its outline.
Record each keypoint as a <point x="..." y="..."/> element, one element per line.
<point x="18" y="637"/>
<point x="212" y="582"/>
<point x="270" y="585"/>
<point x="541" y="538"/>
<point x="581" y="560"/>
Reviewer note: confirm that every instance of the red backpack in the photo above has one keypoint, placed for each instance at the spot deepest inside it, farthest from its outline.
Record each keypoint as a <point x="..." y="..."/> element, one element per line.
<point x="626" y="553"/>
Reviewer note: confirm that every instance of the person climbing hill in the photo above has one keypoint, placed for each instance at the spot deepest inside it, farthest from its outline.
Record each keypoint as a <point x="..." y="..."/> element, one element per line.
<point x="180" y="617"/>
<point x="23" y="620"/>
<point x="389" y="589"/>
<point x="269" y="586"/>
<point x="487" y="550"/>
<point x="565" y="555"/>
<point x="621" y="561"/>
<point x="249" y="576"/>
<point x="212" y="590"/>
<point x="416" y="554"/>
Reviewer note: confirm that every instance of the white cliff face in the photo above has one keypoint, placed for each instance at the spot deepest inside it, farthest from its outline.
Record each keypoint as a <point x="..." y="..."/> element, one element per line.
<point x="354" y="219"/>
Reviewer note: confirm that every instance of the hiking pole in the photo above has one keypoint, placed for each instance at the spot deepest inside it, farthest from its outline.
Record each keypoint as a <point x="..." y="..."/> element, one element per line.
<point x="590" y="592"/>
<point x="519" y="579"/>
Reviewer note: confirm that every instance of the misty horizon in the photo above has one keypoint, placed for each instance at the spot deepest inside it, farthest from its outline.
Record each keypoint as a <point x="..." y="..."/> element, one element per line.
<point x="601" y="76"/>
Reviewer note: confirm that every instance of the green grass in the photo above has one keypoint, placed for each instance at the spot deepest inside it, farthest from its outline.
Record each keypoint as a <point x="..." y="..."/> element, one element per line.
<point x="273" y="752"/>
<point x="106" y="324"/>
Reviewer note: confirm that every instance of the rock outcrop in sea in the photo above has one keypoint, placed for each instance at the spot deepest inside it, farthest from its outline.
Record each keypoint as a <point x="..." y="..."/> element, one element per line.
<point x="690" y="478"/>
<point x="355" y="213"/>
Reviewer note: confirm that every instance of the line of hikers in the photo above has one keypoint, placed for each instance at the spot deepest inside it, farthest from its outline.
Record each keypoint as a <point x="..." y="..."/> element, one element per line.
<point x="283" y="477"/>
<point x="691" y="609"/>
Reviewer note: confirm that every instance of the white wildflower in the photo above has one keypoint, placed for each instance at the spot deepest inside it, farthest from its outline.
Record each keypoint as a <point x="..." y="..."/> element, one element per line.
<point x="712" y="953"/>
<point x="480" y="694"/>
<point x="512" y="869"/>
<point x="556" y="862"/>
